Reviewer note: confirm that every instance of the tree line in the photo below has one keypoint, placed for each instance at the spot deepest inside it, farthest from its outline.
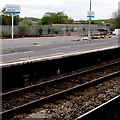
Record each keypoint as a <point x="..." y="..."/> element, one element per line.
<point x="50" y="18"/>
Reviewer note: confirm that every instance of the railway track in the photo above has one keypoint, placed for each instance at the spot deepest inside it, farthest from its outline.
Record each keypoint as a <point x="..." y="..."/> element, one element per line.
<point x="22" y="99"/>
<point x="103" y="111"/>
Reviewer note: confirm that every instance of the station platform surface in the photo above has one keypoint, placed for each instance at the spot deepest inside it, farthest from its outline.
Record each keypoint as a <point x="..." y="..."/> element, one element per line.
<point x="27" y="50"/>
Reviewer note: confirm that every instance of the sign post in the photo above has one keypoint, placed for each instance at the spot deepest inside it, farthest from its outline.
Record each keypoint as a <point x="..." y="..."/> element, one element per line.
<point x="12" y="33"/>
<point x="12" y="10"/>
<point x="90" y="14"/>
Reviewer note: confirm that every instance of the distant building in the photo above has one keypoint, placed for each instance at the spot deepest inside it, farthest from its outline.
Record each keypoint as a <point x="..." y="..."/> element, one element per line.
<point x="79" y="22"/>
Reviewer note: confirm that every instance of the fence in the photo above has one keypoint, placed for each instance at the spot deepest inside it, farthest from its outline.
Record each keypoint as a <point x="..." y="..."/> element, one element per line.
<point x="24" y="30"/>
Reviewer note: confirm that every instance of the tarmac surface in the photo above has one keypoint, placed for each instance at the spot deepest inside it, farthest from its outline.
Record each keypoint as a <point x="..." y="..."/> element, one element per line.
<point x="23" y="49"/>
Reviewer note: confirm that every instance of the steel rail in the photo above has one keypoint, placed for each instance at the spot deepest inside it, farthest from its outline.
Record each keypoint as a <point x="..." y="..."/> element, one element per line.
<point x="56" y="80"/>
<point x="87" y="114"/>
<point x="59" y="94"/>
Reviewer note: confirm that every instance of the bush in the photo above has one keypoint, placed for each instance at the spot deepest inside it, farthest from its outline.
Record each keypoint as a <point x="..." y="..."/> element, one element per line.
<point x="54" y="31"/>
<point x="40" y="31"/>
<point x="22" y="29"/>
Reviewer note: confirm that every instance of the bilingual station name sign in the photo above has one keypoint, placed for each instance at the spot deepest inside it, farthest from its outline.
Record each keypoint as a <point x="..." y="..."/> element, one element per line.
<point x="90" y="14"/>
<point x="9" y="8"/>
<point x="12" y="10"/>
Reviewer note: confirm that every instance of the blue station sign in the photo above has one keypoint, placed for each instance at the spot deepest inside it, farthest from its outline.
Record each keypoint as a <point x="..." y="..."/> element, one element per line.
<point x="9" y="8"/>
<point x="90" y="14"/>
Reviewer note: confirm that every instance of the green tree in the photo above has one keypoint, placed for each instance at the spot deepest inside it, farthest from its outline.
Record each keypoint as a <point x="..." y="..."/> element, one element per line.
<point x="7" y="20"/>
<point x="47" y="19"/>
<point x="55" y="18"/>
<point x="38" y="22"/>
<point x="116" y="19"/>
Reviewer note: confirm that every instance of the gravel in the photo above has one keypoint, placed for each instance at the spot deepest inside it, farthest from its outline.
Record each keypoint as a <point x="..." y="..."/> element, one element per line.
<point x="81" y="102"/>
<point x="37" y="93"/>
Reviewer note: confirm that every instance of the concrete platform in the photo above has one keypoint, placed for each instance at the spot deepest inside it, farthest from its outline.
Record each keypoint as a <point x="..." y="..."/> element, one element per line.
<point x="61" y="47"/>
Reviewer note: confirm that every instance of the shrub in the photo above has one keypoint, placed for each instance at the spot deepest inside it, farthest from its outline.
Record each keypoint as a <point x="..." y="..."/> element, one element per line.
<point x="22" y="29"/>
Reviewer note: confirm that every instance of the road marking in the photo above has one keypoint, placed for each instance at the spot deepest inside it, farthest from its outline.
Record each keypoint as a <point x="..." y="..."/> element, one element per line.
<point x="15" y="53"/>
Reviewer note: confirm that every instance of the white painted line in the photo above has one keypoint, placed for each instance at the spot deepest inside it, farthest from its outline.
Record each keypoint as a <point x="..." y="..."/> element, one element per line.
<point x="15" y="53"/>
<point x="57" y="48"/>
<point x="60" y="48"/>
<point x="97" y="107"/>
<point x="57" y="56"/>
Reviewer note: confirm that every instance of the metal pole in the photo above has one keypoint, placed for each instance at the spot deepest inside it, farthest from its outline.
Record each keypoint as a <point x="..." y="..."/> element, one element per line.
<point x="90" y="5"/>
<point x="89" y="31"/>
<point x="12" y="42"/>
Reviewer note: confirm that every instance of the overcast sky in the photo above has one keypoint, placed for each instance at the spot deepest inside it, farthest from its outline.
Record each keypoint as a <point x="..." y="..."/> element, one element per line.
<point x="76" y="9"/>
